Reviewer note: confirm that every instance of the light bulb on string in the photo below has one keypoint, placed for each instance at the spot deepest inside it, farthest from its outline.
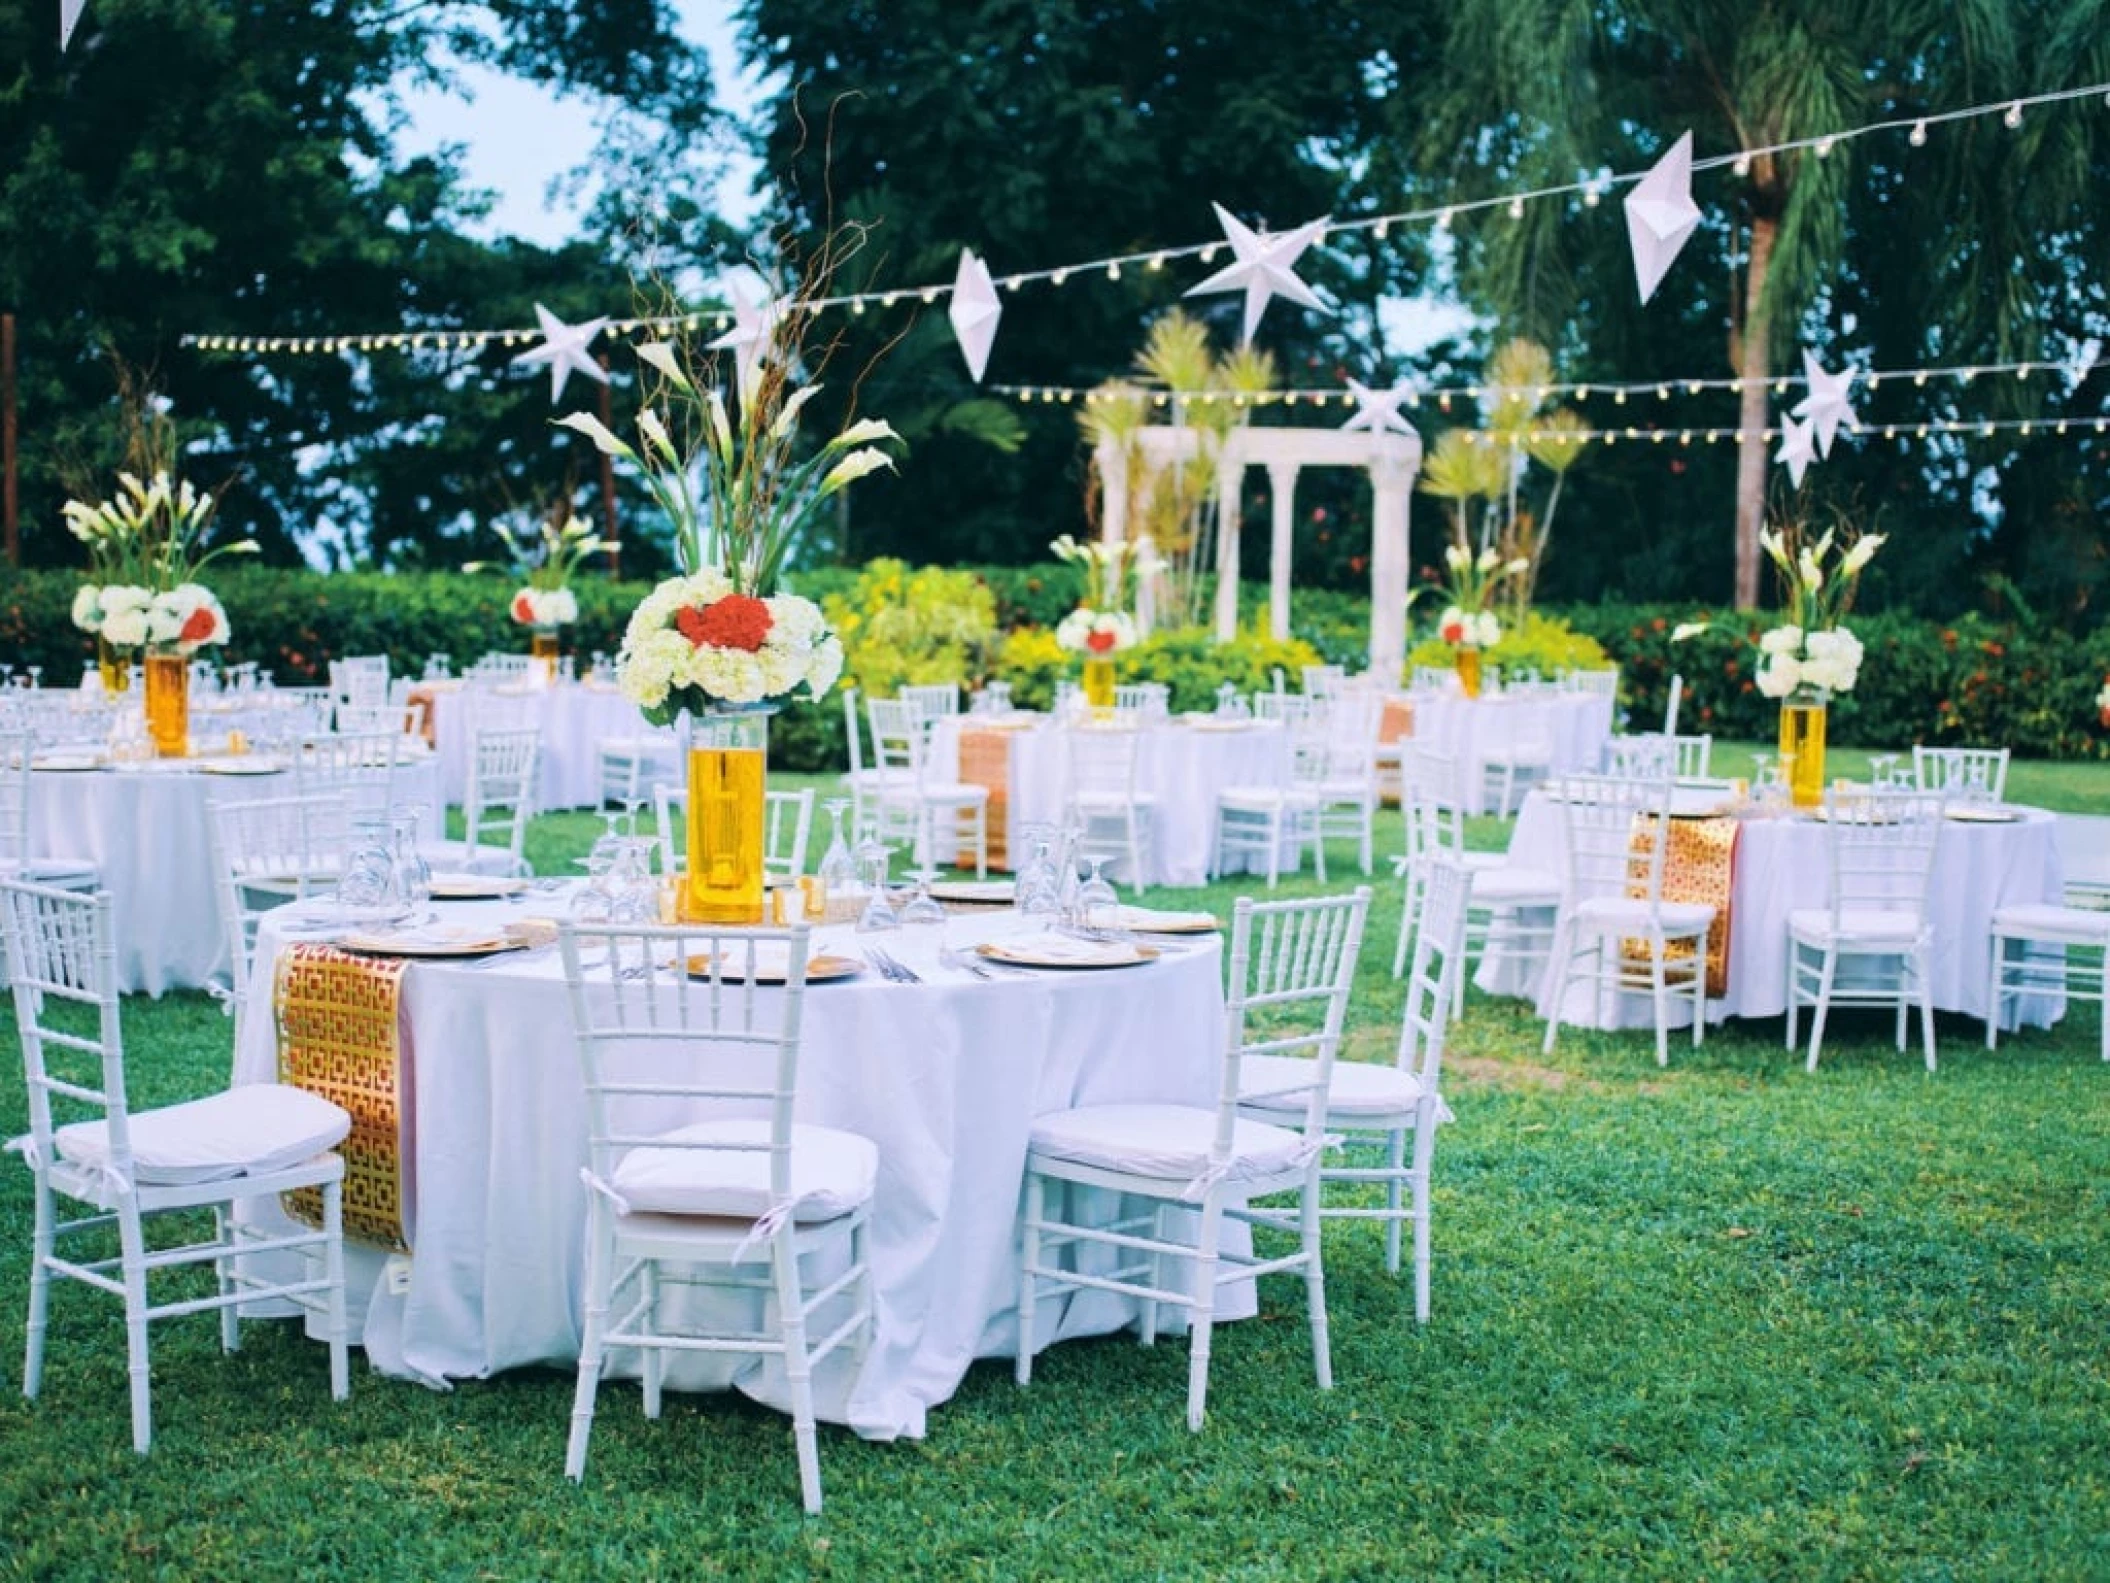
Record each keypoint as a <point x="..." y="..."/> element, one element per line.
<point x="1824" y="148"/>
<point x="1382" y="229"/>
<point x="1113" y="270"/>
<point x="1917" y="137"/>
<point x="2013" y="118"/>
<point x="1516" y="208"/>
<point x="1443" y="219"/>
<point x="1741" y="166"/>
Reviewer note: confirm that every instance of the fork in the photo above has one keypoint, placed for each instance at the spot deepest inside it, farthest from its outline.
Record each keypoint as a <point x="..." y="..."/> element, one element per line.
<point x="960" y="962"/>
<point x="884" y="965"/>
<point x="903" y="973"/>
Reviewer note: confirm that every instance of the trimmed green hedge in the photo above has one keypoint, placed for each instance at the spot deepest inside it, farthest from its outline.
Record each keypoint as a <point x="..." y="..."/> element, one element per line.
<point x="1971" y="682"/>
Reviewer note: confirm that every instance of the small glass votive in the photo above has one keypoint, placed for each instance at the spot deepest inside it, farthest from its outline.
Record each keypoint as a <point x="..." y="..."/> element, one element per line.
<point x="671" y="887"/>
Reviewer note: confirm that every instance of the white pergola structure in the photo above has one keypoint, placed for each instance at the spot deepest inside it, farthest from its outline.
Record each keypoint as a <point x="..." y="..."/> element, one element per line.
<point x="1392" y="461"/>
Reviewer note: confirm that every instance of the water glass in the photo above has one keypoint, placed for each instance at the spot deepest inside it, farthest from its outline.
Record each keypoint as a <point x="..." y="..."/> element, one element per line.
<point x="879" y="912"/>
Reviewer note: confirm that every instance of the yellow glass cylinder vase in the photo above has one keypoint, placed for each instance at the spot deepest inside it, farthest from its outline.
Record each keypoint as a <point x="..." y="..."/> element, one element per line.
<point x="727" y="758"/>
<point x="1469" y="672"/>
<point x="168" y="704"/>
<point x="1802" y="746"/>
<point x="543" y="650"/>
<point x="112" y="666"/>
<point x="1098" y="682"/>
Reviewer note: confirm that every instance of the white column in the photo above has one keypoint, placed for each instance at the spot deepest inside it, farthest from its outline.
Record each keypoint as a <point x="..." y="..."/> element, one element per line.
<point x="1282" y="486"/>
<point x="1230" y="475"/>
<point x="1112" y="462"/>
<point x="1391" y="482"/>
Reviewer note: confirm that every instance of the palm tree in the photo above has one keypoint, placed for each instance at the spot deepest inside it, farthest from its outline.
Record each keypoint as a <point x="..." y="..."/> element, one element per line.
<point x="1602" y="85"/>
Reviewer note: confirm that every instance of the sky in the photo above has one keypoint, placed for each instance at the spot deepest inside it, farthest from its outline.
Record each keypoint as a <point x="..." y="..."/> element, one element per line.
<point x="518" y="139"/>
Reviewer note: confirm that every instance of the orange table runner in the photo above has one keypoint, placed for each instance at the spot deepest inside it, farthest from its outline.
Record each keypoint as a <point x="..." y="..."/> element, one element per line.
<point x="985" y="760"/>
<point x="1396" y="721"/>
<point x="341" y="1034"/>
<point x="422" y="708"/>
<point x="1699" y="865"/>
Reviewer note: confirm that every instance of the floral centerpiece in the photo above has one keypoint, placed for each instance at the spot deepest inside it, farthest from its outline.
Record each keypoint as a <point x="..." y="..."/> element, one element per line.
<point x="1813" y="654"/>
<point x="143" y="550"/>
<point x="717" y="648"/>
<point x="545" y="562"/>
<point x="1102" y="626"/>
<point x="1467" y="623"/>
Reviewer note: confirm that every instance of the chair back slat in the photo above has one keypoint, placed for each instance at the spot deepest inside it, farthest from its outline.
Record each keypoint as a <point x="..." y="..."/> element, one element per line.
<point x="674" y="1024"/>
<point x="1439" y="957"/>
<point x="62" y="968"/>
<point x="1880" y="848"/>
<point x="1292" y="964"/>
<point x="1978" y="773"/>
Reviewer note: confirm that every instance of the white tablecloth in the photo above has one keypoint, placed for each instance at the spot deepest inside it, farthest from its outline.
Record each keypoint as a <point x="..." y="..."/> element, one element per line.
<point x="1782" y="865"/>
<point x="573" y="718"/>
<point x="145" y="828"/>
<point x="1183" y="766"/>
<point x="946" y="1077"/>
<point x="1574" y="726"/>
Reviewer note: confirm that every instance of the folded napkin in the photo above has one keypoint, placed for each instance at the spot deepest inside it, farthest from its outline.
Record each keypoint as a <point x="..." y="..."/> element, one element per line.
<point x="1067" y="948"/>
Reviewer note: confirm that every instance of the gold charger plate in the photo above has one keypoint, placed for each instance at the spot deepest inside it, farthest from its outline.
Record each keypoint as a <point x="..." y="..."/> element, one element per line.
<point x="1012" y="956"/>
<point x="1983" y="815"/>
<point x="818" y="969"/>
<point x="475" y="887"/>
<point x="428" y="943"/>
<point x="239" y="766"/>
<point x="1145" y="921"/>
<point x="982" y="892"/>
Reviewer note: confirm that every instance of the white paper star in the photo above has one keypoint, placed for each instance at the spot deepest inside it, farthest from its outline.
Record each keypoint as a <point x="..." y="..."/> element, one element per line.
<point x="1825" y="406"/>
<point x="1378" y="410"/>
<point x="69" y="15"/>
<point x="974" y="312"/>
<point x="2082" y="363"/>
<point x="754" y="330"/>
<point x="1796" y="449"/>
<point x="1263" y="266"/>
<point x="1660" y="216"/>
<point x="565" y="347"/>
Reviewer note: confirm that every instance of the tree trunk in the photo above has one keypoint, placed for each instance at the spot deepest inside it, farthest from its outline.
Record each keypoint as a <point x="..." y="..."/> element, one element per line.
<point x="1754" y="367"/>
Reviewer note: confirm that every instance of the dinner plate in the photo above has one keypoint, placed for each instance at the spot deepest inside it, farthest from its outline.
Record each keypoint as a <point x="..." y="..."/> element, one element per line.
<point x="1064" y="952"/>
<point x="441" y="941"/>
<point x="67" y="761"/>
<point x="986" y="892"/>
<point x="475" y="887"/>
<point x="1983" y="815"/>
<point x="238" y="766"/>
<point x="774" y="967"/>
<point x="1152" y="921"/>
<point x="1211" y="723"/>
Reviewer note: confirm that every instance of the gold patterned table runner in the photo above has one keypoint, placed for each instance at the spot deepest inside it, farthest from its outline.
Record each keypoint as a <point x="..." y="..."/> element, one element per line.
<point x="1699" y="865"/>
<point x="341" y="1034"/>
<point x="985" y="760"/>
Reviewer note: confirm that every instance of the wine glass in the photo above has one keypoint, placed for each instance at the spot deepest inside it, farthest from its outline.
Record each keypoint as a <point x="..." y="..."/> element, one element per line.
<point x="413" y="873"/>
<point x="1099" y="905"/>
<point x="601" y="857"/>
<point x="36" y="677"/>
<point x="879" y="911"/>
<point x="923" y="909"/>
<point x="838" y="869"/>
<point x="1037" y="892"/>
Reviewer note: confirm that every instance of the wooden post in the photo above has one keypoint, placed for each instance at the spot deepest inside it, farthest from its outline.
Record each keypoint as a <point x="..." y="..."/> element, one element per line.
<point x="608" y="519"/>
<point x="10" y="517"/>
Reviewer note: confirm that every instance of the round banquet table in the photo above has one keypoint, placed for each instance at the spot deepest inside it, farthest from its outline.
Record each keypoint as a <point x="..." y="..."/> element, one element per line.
<point x="1573" y="726"/>
<point x="572" y="716"/>
<point x="1781" y="865"/>
<point x="944" y="1076"/>
<point x="1181" y="763"/>
<point x="144" y="826"/>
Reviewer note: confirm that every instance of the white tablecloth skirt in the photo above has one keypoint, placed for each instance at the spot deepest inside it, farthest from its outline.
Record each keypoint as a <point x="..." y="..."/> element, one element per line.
<point x="1782" y="866"/>
<point x="573" y="717"/>
<point x="145" y="828"/>
<point x="1183" y="767"/>
<point x="946" y="1077"/>
<point x="1573" y="726"/>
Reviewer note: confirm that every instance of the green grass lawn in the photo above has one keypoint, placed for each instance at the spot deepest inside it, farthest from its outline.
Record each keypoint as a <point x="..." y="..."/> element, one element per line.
<point x="1724" y="1320"/>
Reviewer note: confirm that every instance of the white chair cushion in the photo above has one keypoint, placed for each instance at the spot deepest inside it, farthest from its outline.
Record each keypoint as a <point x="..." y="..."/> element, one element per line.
<point x="2044" y="921"/>
<point x="953" y="792"/>
<point x="1263" y="799"/>
<point x="832" y="1172"/>
<point x="1814" y="927"/>
<point x="1493" y="886"/>
<point x="63" y="873"/>
<point x="1166" y="1142"/>
<point x="252" y="1130"/>
<point x="1358" y="1088"/>
<point x="1627" y="912"/>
